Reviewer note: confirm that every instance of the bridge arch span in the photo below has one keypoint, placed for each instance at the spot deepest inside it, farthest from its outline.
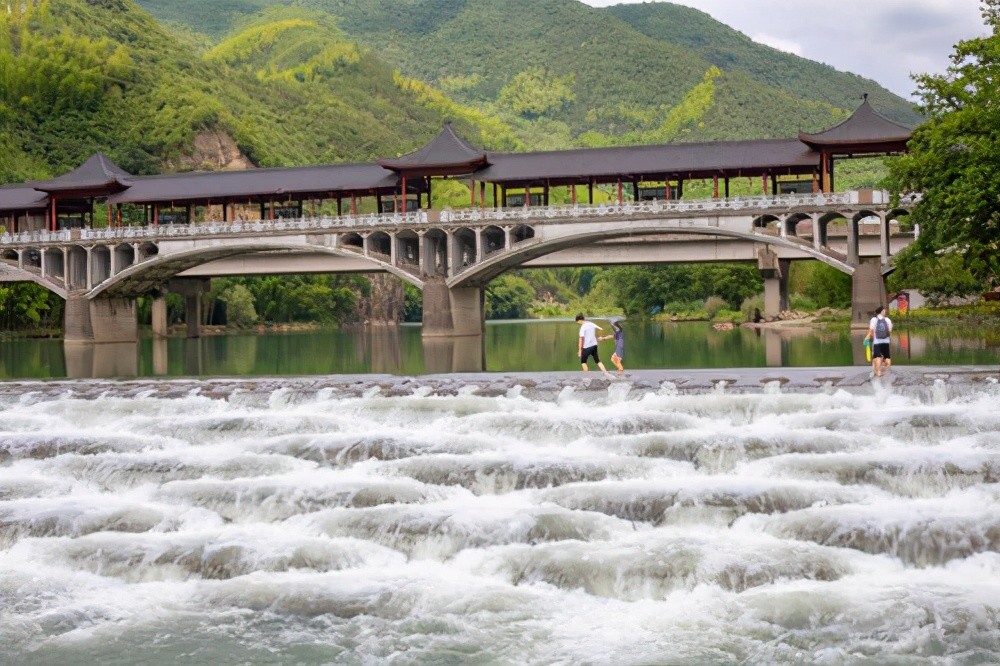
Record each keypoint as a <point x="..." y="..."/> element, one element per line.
<point x="142" y="277"/>
<point x="520" y="253"/>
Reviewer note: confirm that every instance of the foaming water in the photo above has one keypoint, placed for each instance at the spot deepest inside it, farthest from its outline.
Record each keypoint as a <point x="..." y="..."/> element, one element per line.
<point x="606" y="523"/>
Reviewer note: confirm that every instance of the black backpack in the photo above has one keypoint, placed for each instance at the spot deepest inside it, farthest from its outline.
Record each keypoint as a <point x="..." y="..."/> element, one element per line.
<point x="881" y="328"/>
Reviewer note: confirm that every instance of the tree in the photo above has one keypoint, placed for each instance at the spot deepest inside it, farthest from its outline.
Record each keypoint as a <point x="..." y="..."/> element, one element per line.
<point x="240" y="311"/>
<point x="508" y="297"/>
<point x="954" y="159"/>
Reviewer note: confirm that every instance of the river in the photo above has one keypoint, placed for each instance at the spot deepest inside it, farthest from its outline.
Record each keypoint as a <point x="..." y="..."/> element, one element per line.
<point x="533" y="519"/>
<point x="508" y="347"/>
<point x="767" y="515"/>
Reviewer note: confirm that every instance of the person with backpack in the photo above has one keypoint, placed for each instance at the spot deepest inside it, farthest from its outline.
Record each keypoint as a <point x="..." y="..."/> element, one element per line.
<point x="879" y="331"/>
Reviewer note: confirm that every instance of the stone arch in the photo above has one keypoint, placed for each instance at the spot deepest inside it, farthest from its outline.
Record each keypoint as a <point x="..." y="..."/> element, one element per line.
<point x="125" y="254"/>
<point x="463" y="251"/>
<point x="379" y="243"/>
<point x="353" y="241"/>
<point x="521" y="233"/>
<point x="501" y="262"/>
<point x="146" y="276"/>
<point x="494" y="240"/>
<point x="768" y="224"/>
<point x="408" y="248"/>
<point x="792" y="224"/>
<point x="435" y="254"/>
<point x="823" y="224"/>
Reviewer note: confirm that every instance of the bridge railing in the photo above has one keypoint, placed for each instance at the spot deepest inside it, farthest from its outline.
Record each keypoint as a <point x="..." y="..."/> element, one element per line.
<point x="627" y="208"/>
<point x="362" y="223"/>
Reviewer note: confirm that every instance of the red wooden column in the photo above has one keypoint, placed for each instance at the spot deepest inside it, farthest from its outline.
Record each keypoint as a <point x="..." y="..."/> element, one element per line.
<point x="52" y="221"/>
<point x="403" y="189"/>
<point x="572" y="193"/>
<point x="715" y="186"/>
<point x="620" y="192"/>
<point x="472" y="192"/>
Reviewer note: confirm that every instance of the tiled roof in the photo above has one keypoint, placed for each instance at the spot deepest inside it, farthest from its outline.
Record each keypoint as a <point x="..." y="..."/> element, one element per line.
<point x="18" y="198"/>
<point x="678" y="160"/>
<point x="445" y="154"/>
<point x="98" y="173"/>
<point x="257" y="183"/>
<point x="865" y="126"/>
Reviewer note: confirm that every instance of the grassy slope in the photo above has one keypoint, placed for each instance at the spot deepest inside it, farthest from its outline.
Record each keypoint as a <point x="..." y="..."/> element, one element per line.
<point x="631" y="64"/>
<point x="731" y="51"/>
<point x="104" y="75"/>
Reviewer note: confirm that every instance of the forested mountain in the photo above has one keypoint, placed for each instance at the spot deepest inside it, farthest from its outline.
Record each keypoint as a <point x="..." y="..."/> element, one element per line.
<point x="563" y="73"/>
<point x="86" y="75"/>
<point x="268" y="83"/>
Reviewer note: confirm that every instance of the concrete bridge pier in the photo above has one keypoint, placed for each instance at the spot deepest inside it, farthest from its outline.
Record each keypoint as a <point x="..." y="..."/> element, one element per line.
<point x="458" y="311"/>
<point x="775" y="273"/>
<point x="100" y="320"/>
<point x="159" y="317"/>
<point x="867" y="291"/>
<point x="191" y="290"/>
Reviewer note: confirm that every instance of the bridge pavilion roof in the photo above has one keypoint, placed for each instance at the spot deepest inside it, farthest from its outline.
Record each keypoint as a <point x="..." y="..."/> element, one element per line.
<point x="21" y="198"/>
<point x="98" y="176"/>
<point x="658" y="162"/>
<point x="258" y="184"/>
<point x="447" y="154"/>
<point x="866" y="131"/>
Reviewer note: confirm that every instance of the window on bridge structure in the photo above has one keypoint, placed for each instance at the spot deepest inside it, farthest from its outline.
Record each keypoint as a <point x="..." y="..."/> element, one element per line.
<point x="173" y="216"/>
<point x="288" y="211"/>
<point x="516" y="200"/>
<point x="795" y="187"/>
<point x="70" y="221"/>
<point x="656" y="193"/>
<point x="389" y="204"/>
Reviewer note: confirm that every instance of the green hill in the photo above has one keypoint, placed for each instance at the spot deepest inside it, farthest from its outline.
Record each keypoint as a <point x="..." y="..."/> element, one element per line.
<point x="88" y="75"/>
<point x="563" y="73"/>
<point x="732" y="51"/>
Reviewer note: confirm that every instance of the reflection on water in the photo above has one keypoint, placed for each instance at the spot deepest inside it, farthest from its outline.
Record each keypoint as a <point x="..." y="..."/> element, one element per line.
<point x="507" y="347"/>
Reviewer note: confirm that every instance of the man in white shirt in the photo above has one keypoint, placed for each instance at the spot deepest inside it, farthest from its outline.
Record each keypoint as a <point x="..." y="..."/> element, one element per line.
<point x="588" y="343"/>
<point x="879" y="330"/>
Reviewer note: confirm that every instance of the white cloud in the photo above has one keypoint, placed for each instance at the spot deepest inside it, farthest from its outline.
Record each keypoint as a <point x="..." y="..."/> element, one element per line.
<point x="884" y="40"/>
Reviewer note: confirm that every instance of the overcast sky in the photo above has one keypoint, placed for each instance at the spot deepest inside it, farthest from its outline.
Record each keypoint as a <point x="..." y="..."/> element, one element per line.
<point x="884" y="40"/>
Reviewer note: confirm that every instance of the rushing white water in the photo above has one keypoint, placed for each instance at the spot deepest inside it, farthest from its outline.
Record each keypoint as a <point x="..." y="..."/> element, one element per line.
<point x="618" y="525"/>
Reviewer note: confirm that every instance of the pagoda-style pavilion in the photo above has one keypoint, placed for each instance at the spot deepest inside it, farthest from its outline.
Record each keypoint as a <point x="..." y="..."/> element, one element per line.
<point x="73" y="193"/>
<point x="866" y="133"/>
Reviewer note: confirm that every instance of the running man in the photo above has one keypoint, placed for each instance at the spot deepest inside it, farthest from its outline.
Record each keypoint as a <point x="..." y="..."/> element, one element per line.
<point x="588" y="343"/>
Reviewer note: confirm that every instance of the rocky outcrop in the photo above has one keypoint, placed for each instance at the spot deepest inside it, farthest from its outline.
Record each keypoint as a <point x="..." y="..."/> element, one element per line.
<point x="212" y="151"/>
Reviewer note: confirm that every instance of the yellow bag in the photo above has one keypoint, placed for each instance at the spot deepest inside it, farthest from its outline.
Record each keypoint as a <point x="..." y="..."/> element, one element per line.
<point x="868" y="350"/>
